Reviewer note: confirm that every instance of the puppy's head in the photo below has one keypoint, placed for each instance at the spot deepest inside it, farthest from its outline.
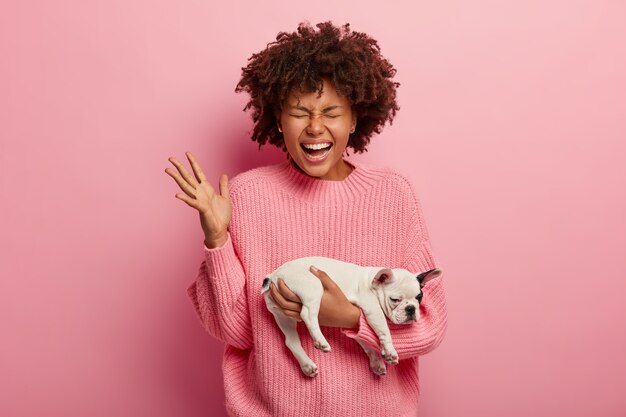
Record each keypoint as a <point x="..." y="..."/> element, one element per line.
<point x="400" y="292"/>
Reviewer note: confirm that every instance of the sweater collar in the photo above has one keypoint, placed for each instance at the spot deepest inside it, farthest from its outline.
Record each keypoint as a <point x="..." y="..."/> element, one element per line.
<point x="297" y="183"/>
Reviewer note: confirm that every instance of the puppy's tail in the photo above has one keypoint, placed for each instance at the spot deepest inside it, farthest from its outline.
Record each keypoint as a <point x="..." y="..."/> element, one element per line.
<point x="266" y="285"/>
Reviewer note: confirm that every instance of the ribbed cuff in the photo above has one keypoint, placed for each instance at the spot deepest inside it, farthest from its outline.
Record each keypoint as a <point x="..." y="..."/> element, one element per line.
<point x="364" y="333"/>
<point x="222" y="263"/>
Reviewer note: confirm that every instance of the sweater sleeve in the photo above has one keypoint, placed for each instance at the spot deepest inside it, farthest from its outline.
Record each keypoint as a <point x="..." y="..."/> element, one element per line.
<point x="421" y="337"/>
<point x="218" y="296"/>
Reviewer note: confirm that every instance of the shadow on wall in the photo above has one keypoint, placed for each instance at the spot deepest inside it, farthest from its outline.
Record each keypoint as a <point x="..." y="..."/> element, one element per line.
<point x="189" y="359"/>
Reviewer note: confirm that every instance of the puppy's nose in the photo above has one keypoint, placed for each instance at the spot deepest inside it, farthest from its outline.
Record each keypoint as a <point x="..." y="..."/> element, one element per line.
<point x="410" y="309"/>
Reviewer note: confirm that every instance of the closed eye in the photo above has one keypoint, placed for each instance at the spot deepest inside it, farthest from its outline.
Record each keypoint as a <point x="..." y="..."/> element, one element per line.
<point x="395" y="300"/>
<point x="419" y="297"/>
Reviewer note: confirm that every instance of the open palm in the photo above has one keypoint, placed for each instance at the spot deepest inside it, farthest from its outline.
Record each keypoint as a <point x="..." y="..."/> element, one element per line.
<point x="215" y="208"/>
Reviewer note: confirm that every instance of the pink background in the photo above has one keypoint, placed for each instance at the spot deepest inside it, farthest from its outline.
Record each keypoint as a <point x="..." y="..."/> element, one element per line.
<point x="512" y="127"/>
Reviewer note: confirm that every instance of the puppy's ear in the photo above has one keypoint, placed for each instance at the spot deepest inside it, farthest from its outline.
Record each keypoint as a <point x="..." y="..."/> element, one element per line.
<point x="424" y="277"/>
<point x="384" y="276"/>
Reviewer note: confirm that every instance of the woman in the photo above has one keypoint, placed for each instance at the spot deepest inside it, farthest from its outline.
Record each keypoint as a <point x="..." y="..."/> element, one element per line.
<point x="314" y="94"/>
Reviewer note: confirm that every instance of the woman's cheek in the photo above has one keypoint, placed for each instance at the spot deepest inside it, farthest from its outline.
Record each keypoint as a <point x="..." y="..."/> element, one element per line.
<point x="340" y="133"/>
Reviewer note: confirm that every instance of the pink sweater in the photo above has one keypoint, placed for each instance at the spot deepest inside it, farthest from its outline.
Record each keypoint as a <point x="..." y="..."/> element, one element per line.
<point x="374" y="218"/>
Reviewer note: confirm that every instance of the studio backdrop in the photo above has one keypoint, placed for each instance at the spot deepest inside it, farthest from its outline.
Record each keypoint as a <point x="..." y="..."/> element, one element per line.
<point x="511" y="128"/>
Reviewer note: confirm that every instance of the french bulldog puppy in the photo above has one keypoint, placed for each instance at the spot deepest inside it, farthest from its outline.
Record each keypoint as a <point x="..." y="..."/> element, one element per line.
<point x="380" y="292"/>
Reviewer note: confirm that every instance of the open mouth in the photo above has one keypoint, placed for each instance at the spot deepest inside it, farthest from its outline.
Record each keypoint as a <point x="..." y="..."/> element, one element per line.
<point x="316" y="151"/>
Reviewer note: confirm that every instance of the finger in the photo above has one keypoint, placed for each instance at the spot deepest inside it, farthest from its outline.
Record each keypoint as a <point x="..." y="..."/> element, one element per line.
<point x="184" y="185"/>
<point x="190" y="201"/>
<point x="282" y="301"/>
<point x="224" y="186"/>
<point x="196" y="167"/>
<point x="286" y="292"/>
<point x="292" y="314"/>
<point x="183" y="172"/>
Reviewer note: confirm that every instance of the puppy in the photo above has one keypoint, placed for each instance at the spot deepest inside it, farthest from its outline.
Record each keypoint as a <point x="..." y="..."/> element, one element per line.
<point x="380" y="292"/>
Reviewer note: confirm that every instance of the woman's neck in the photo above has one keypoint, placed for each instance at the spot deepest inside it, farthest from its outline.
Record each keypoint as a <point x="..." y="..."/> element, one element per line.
<point x="342" y="170"/>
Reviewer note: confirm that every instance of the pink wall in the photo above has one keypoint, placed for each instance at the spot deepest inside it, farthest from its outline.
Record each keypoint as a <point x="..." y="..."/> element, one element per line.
<point x="512" y="126"/>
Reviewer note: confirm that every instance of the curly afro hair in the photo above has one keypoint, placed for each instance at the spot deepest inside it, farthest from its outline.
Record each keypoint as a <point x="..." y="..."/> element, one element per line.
<point x="351" y="60"/>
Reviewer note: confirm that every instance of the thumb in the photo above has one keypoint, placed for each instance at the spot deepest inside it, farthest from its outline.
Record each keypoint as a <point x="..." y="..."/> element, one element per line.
<point x="327" y="282"/>
<point x="224" y="192"/>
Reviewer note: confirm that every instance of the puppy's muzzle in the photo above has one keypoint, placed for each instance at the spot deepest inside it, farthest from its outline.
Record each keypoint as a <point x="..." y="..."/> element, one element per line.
<point x="410" y="313"/>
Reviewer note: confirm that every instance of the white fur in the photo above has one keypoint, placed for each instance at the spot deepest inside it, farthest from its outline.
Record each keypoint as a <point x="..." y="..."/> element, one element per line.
<point x="370" y="288"/>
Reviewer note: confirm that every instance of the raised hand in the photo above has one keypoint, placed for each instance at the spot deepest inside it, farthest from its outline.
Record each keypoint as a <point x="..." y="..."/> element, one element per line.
<point x="215" y="208"/>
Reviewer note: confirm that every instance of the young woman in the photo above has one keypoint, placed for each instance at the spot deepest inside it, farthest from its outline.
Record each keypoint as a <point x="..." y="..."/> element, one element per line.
<point x="314" y="94"/>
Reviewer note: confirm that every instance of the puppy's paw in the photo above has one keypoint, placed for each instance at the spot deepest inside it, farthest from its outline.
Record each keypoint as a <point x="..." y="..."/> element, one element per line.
<point x="309" y="369"/>
<point x="391" y="359"/>
<point x="377" y="365"/>
<point x="323" y="346"/>
<point x="390" y="356"/>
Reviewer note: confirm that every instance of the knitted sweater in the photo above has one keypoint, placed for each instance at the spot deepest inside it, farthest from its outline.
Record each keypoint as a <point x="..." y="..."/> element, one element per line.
<point x="373" y="218"/>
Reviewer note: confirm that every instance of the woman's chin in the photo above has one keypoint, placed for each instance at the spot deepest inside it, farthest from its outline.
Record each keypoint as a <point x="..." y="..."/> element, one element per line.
<point x="317" y="171"/>
<point x="328" y="171"/>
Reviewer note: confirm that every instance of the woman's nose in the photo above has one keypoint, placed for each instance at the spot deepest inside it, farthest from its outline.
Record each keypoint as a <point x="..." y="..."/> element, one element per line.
<point x="316" y="126"/>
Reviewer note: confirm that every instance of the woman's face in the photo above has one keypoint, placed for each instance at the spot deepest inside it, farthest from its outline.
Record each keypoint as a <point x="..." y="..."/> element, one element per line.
<point x="323" y="123"/>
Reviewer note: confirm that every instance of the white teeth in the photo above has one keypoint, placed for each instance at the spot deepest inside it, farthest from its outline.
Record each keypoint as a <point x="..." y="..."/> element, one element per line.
<point x="316" y="145"/>
<point x="316" y="158"/>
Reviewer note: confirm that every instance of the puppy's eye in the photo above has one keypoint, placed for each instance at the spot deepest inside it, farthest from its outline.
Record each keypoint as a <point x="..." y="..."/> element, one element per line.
<point x="395" y="300"/>
<point x="419" y="297"/>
